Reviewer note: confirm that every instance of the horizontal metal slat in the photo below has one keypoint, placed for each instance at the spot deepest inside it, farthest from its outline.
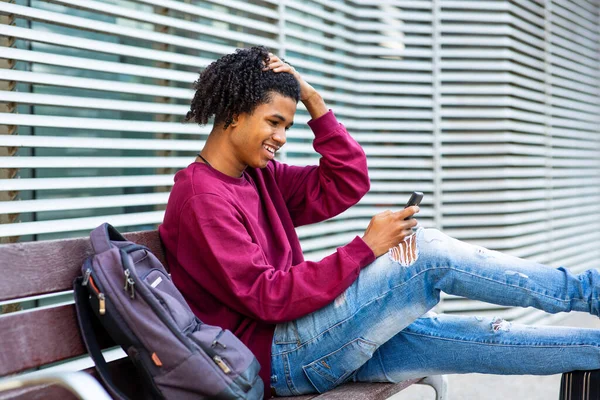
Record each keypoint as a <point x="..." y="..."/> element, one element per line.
<point x="95" y="65"/>
<point x="572" y="36"/>
<point x="95" y="162"/>
<point x="489" y="77"/>
<point x="235" y="4"/>
<point x="79" y="224"/>
<point x="527" y="63"/>
<point x="100" y="46"/>
<point x="102" y="124"/>
<point x="95" y="103"/>
<point x="498" y="89"/>
<point x="406" y="65"/>
<point x="507" y="64"/>
<point x="99" y="143"/>
<point x="495" y="18"/>
<point x="565" y="16"/>
<point x="392" y="8"/>
<point x="535" y="49"/>
<point x="212" y="14"/>
<point x="95" y="84"/>
<point x="355" y="23"/>
<point x="358" y="36"/>
<point x="573" y="51"/>
<point x="112" y="29"/>
<point x="181" y="110"/>
<point x="189" y="9"/>
<point x="94" y="182"/>
<point x="386" y="46"/>
<point x="359" y="75"/>
<point x="82" y="203"/>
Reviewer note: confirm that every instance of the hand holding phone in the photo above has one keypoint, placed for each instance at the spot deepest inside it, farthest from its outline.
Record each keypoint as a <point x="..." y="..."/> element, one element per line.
<point x="378" y="235"/>
<point x="415" y="200"/>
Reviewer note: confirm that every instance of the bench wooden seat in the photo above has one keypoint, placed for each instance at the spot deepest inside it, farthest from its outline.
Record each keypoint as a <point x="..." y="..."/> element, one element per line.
<point x="46" y="335"/>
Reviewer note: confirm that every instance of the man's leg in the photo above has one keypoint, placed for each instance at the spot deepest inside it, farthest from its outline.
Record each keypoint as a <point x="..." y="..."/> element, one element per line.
<point x="477" y="273"/>
<point x="323" y="349"/>
<point x="450" y="344"/>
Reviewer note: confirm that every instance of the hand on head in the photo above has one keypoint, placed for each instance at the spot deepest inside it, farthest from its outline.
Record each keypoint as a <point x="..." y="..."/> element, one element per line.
<point x="277" y="65"/>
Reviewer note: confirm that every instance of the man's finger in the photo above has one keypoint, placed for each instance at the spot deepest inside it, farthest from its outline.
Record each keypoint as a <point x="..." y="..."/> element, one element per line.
<point x="406" y="212"/>
<point x="407" y="233"/>
<point x="276" y="64"/>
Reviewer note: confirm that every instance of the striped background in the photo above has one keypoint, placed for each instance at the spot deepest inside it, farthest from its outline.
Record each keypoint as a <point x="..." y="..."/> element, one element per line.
<point x="492" y="108"/>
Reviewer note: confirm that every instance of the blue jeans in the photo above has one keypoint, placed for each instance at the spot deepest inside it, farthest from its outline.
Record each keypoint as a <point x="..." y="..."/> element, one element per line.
<point x="380" y="330"/>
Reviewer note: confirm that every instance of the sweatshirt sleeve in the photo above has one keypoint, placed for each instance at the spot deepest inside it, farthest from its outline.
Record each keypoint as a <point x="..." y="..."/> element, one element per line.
<point x="235" y="271"/>
<point x="316" y="193"/>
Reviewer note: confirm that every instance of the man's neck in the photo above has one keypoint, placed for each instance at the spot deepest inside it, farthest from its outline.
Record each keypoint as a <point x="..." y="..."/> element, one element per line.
<point x="218" y="156"/>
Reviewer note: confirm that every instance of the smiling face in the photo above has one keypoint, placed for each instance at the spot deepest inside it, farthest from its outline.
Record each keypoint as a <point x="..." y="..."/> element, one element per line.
<point x="255" y="138"/>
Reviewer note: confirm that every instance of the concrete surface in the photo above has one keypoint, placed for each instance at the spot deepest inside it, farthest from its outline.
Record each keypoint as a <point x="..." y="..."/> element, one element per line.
<point x="502" y="387"/>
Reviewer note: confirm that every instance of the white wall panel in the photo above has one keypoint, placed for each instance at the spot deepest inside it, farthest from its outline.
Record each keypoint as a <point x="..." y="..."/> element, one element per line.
<point x="491" y="108"/>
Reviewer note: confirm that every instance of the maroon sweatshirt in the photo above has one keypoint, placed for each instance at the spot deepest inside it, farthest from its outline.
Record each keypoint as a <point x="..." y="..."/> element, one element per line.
<point x="232" y="248"/>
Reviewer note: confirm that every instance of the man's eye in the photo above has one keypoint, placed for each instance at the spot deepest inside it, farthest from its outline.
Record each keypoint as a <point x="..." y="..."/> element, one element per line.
<point x="274" y="123"/>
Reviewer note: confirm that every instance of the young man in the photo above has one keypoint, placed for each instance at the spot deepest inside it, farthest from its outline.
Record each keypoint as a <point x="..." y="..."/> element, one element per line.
<point x="361" y="313"/>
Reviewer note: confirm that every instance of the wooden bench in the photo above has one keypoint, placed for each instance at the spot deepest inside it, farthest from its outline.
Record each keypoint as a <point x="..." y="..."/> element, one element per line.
<point x="46" y="335"/>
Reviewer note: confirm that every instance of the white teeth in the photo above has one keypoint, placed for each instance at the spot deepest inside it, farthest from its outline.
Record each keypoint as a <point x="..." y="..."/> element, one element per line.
<point x="269" y="149"/>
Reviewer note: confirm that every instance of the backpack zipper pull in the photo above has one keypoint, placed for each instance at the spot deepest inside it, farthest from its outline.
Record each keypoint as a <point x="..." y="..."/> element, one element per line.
<point x="101" y="304"/>
<point x="216" y="341"/>
<point x="129" y="282"/>
<point x="219" y="361"/>
<point x="99" y="295"/>
<point x="86" y="277"/>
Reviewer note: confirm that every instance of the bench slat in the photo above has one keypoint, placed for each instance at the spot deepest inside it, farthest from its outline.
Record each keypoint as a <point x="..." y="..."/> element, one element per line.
<point x="40" y="337"/>
<point x="45" y="392"/>
<point x="359" y="391"/>
<point x="34" y="268"/>
<point x="123" y="373"/>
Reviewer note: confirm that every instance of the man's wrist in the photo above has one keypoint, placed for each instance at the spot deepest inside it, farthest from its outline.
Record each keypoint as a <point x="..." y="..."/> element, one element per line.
<point x="315" y="105"/>
<point x="307" y="96"/>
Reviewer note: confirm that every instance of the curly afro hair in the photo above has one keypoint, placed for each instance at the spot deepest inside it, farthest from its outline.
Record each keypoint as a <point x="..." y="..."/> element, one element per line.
<point x="236" y="84"/>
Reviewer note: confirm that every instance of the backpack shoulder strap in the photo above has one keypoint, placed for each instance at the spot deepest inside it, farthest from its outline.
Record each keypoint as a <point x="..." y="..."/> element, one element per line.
<point x="84" y="318"/>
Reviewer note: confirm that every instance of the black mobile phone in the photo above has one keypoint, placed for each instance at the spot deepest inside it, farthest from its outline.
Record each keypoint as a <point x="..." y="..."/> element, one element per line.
<point x="415" y="200"/>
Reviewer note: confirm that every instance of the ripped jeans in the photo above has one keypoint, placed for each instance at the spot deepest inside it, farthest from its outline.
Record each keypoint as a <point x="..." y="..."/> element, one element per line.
<point x="379" y="329"/>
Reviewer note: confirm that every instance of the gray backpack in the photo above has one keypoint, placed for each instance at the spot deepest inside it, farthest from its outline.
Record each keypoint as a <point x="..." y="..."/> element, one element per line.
<point x="176" y="355"/>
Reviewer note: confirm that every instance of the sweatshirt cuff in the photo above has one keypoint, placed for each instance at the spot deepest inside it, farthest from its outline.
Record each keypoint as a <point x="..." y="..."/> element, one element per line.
<point x="359" y="252"/>
<point x="325" y="124"/>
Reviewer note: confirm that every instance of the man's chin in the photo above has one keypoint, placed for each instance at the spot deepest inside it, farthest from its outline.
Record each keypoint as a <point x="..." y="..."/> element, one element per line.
<point x="262" y="164"/>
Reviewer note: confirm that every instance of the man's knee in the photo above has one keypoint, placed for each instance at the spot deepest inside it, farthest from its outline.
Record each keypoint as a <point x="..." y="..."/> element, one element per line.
<point x="406" y="252"/>
<point x="426" y="242"/>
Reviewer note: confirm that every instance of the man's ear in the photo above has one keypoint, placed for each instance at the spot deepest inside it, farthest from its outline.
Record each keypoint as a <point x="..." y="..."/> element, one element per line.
<point x="235" y="121"/>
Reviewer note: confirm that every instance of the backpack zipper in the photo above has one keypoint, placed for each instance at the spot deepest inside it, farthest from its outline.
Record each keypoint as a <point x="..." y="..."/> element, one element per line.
<point x="149" y="298"/>
<point x="99" y="295"/>
<point x="129" y="284"/>
<point x="86" y="277"/>
<point x="221" y="363"/>
<point x="216" y="341"/>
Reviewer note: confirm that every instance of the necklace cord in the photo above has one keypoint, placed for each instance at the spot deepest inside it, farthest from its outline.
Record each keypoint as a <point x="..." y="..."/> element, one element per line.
<point x="204" y="159"/>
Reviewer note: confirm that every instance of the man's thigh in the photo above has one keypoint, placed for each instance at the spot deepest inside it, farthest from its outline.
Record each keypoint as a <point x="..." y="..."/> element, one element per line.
<point x="327" y="346"/>
<point x="381" y="302"/>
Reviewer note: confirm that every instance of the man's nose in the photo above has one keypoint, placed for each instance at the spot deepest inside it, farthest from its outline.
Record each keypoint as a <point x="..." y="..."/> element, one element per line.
<point x="280" y="137"/>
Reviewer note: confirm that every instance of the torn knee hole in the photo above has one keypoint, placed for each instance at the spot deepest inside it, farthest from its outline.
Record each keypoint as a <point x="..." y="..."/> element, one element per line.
<point x="499" y="324"/>
<point x="405" y="253"/>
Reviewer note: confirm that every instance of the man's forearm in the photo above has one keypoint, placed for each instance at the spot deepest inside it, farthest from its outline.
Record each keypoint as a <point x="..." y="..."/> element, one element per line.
<point x="315" y="105"/>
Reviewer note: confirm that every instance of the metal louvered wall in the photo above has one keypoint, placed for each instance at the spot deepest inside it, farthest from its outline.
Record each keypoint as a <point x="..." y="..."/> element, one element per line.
<point x="492" y="108"/>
